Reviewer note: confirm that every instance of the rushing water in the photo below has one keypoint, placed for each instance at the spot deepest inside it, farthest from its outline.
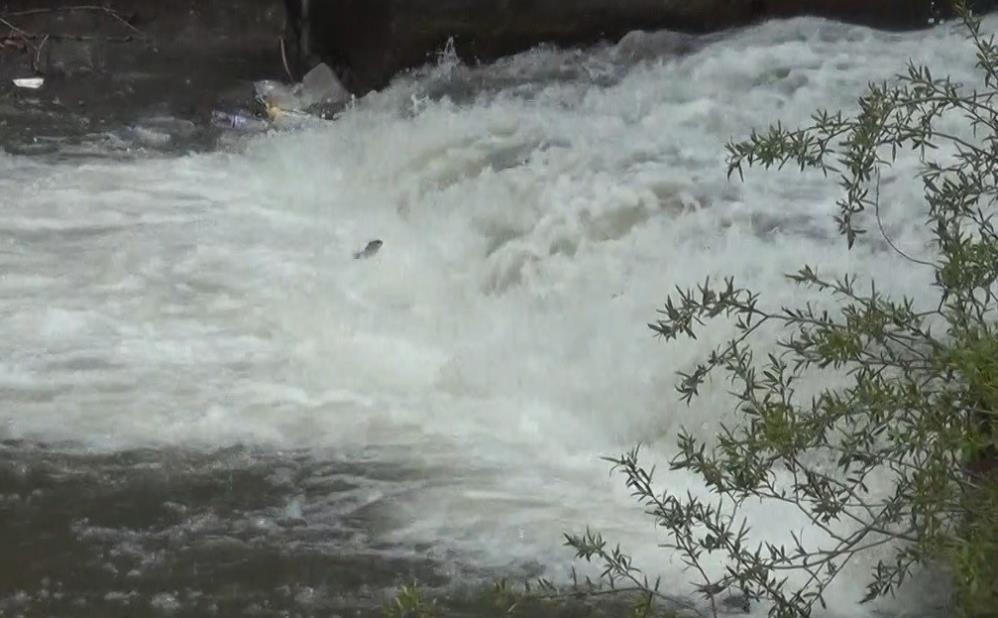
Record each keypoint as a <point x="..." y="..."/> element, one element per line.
<point x="207" y="405"/>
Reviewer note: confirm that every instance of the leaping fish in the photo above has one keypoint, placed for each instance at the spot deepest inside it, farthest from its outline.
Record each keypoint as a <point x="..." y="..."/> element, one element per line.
<point x="371" y="248"/>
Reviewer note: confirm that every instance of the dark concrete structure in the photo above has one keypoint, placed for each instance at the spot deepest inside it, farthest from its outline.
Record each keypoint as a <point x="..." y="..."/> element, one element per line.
<point x="368" y="41"/>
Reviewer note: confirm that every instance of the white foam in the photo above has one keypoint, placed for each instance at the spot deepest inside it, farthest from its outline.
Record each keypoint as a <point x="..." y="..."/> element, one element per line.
<point x="533" y="220"/>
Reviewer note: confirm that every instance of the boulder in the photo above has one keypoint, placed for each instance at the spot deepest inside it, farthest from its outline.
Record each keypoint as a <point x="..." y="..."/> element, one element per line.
<point x="369" y="41"/>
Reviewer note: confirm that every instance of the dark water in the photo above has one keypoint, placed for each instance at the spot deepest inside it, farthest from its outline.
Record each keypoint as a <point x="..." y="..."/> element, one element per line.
<point x="151" y="532"/>
<point x="234" y="532"/>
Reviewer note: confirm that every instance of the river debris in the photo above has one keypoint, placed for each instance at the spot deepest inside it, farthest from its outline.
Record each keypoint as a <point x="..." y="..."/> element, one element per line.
<point x="30" y="83"/>
<point x="317" y="91"/>
<point x="368" y="251"/>
<point x="239" y="120"/>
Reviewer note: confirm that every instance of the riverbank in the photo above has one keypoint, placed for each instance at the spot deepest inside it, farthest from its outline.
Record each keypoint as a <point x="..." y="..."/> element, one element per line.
<point x="136" y="76"/>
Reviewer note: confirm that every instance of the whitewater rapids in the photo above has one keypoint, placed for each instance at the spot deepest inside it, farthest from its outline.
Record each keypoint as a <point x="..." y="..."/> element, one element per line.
<point x="534" y="214"/>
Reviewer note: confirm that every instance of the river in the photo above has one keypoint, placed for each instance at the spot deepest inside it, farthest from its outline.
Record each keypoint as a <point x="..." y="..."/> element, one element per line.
<point x="209" y="407"/>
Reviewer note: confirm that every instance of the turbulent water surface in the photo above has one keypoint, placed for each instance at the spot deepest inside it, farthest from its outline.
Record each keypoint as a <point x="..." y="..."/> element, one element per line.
<point x="208" y="406"/>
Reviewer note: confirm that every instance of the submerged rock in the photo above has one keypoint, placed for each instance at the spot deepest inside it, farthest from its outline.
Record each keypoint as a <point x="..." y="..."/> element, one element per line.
<point x="368" y="41"/>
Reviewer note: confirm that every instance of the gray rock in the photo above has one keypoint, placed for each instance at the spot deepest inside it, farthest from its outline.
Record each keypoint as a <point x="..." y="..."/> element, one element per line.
<point x="320" y="86"/>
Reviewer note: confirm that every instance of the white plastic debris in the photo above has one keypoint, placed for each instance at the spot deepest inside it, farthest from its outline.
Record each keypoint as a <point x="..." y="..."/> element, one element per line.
<point x="31" y="83"/>
<point x="320" y="85"/>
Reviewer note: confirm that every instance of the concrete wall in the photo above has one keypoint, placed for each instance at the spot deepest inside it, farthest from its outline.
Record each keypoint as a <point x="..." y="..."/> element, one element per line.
<point x="368" y="41"/>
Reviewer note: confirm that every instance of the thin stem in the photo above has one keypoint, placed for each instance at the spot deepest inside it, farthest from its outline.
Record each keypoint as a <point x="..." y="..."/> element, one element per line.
<point x="886" y="236"/>
<point x="13" y="28"/>
<point x="38" y="52"/>
<point x="72" y="9"/>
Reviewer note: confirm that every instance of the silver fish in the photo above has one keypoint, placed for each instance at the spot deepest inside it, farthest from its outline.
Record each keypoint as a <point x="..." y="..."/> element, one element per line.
<point x="371" y="248"/>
